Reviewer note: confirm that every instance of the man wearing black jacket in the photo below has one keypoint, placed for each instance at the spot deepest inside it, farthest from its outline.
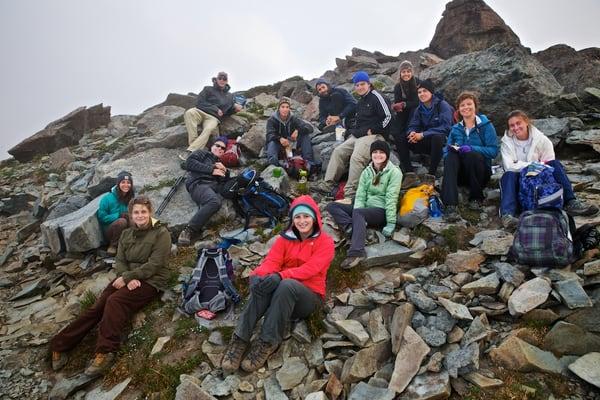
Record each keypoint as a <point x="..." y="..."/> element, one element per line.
<point x="205" y="180"/>
<point x="214" y="102"/>
<point x="373" y="118"/>
<point x="336" y="106"/>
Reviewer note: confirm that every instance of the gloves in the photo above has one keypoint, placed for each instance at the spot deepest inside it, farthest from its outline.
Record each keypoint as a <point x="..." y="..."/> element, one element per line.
<point x="267" y="284"/>
<point x="388" y="230"/>
<point x="465" y="148"/>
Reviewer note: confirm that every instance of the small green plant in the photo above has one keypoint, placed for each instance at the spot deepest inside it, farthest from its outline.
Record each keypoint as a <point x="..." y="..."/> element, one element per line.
<point x="435" y="254"/>
<point x="378" y="85"/>
<point x="227" y="332"/>
<point x="314" y="322"/>
<point x="249" y="116"/>
<point x="422" y="232"/>
<point x="255" y="108"/>
<point x="185" y="326"/>
<point x="87" y="300"/>
<point x="161" y="184"/>
<point x="339" y="279"/>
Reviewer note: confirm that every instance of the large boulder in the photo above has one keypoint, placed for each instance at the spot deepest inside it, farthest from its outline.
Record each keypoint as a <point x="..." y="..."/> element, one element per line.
<point x="253" y="141"/>
<point x="575" y="70"/>
<point x="160" y="118"/>
<point x="467" y="26"/>
<point x="64" y="132"/>
<point x="503" y="76"/>
<point x="75" y="232"/>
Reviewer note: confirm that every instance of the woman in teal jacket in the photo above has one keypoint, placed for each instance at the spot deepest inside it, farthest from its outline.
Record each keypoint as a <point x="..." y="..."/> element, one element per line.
<point x="375" y="204"/>
<point x="471" y="147"/>
<point x="112" y="210"/>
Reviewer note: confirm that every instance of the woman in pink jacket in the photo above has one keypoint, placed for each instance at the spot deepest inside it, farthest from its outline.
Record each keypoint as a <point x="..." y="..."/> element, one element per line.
<point x="289" y="284"/>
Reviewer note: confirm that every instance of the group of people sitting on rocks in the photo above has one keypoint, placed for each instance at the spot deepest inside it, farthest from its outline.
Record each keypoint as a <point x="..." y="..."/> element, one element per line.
<point x="290" y="282"/>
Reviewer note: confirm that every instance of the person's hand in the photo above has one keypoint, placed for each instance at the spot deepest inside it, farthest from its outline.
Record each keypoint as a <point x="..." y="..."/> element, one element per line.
<point x="294" y="134"/>
<point x="465" y="148"/>
<point x="369" y="132"/>
<point x="268" y="284"/>
<point x="237" y="107"/>
<point x="118" y="283"/>
<point x="218" y="172"/>
<point x="284" y="142"/>
<point x="452" y="147"/>
<point x="415" y="137"/>
<point x="398" y="107"/>
<point x="388" y="231"/>
<point x="134" y="284"/>
<point x="332" y="120"/>
<point x="219" y="112"/>
<point x="219" y="165"/>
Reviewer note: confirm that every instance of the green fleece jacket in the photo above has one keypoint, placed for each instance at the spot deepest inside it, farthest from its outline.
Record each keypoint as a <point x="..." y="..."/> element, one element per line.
<point x="383" y="195"/>
<point x="143" y="254"/>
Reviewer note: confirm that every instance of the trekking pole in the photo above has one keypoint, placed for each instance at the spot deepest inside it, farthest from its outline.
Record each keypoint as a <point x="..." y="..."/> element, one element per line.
<point x="169" y="196"/>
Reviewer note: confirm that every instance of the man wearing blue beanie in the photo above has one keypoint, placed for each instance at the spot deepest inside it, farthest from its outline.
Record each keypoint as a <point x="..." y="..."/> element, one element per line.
<point x="373" y="118"/>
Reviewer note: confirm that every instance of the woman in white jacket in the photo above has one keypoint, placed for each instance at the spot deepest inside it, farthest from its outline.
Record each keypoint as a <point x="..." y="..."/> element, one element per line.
<point x="522" y="145"/>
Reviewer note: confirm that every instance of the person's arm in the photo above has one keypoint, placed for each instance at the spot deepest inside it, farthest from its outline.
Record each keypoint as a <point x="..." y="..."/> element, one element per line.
<point x="489" y="147"/>
<point x="302" y="126"/>
<point x="121" y="264"/>
<point x="415" y="124"/>
<point x="350" y="105"/>
<point x="199" y="161"/>
<point x="323" y="253"/>
<point x="360" y="199"/>
<point x="445" y="117"/>
<point x="274" y="259"/>
<point x="105" y="214"/>
<point x="159" y="258"/>
<point x="391" y="199"/>
<point x="509" y="159"/>
<point x="273" y="130"/>
<point x="383" y="112"/>
<point x="322" y="113"/>
<point x="547" y="151"/>
<point x="229" y="108"/>
<point x="204" y="102"/>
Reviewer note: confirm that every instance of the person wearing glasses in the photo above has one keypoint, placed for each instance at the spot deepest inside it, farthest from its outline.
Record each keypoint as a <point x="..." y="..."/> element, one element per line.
<point x="214" y="102"/>
<point x="141" y="267"/>
<point x="206" y="178"/>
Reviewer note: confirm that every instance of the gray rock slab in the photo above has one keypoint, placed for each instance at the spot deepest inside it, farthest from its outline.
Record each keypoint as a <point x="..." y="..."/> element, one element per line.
<point x="433" y="337"/>
<point x="590" y="137"/>
<point x="408" y="360"/>
<point x="190" y="389"/>
<point x="565" y="338"/>
<point x="273" y="390"/>
<point x="353" y="330"/>
<point x="376" y="327"/>
<point x="253" y="141"/>
<point x="464" y="261"/>
<point x="66" y="387"/>
<point x="587" y="318"/>
<point x="516" y="354"/>
<point x="462" y="360"/>
<point x="366" y="362"/>
<point x="458" y="311"/>
<point x="112" y="394"/>
<point x="428" y="386"/>
<point x="478" y="330"/>
<point x="419" y="298"/>
<point x="588" y="368"/>
<point x="32" y="289"/>
<point x="385" y="253"/>
<point x="400" y="320"/>
<point x="572" y="294"/>
<point x="487" y="285"/>
<point x="291" y="373"/>
<point x="159" y="118"/>
<point x="217" y="387"/>
<point x="528" y="296"/>
<point x="364" y="391"/>
<point x="509" y="273"/>
<point x="281" y="184"/>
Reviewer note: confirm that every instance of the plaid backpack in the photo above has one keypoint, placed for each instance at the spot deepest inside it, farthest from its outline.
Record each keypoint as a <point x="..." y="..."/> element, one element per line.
<point x="538" y="188"/>
<point x="543" y="239"/>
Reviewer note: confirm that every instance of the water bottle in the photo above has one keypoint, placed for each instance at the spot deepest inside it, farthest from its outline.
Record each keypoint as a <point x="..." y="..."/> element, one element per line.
<point x="303" y="181"/>
<point x="435" y="209"/>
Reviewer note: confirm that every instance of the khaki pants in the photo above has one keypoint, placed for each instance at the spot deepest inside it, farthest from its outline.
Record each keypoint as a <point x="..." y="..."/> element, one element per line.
<point x="356" y="153"/>
<point x="210" y="124"/>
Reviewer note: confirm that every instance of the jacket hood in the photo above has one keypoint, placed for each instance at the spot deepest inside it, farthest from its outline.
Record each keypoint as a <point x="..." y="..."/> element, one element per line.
<point x="278" y="117"/>
<point x="480" y="121"/>
<point x="225" y="88"/>
<point x="290" y="232"/>
<point x="154" y="224"/>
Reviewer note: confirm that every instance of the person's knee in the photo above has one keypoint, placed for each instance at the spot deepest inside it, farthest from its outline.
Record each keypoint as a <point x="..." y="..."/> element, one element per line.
<point x="287" y="287"/>
<point x="122" y="223"/>
<point x="189" y="114"/>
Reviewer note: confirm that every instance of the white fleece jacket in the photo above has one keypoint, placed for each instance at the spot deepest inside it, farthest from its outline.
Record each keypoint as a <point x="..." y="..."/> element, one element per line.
<point x="541" y="150"/>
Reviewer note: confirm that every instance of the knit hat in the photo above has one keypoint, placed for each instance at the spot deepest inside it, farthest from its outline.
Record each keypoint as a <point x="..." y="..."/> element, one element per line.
<point x="322" y="81"/>
<point x="405" y="65"/>
<point x="222" y="75"/>
<point x="284" y="100"/>
<point x="304" y="209"/>
<point x="381" y="145"/>
<point x="360" y="76"/>
<point x="427" y="84"/>
<point x="124" y="175"/>
<point x="222" y="139"/>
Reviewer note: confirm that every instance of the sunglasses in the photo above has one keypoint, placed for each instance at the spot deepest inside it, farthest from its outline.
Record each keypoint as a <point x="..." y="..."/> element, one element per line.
<point x="220" y="146"/>
<point x="222" y="78"/>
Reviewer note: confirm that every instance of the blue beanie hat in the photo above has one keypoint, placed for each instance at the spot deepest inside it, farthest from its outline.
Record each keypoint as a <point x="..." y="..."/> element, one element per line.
<point x="360" y="76"/>
<point x="222" y="139"/>
<point x="303" y="209"/>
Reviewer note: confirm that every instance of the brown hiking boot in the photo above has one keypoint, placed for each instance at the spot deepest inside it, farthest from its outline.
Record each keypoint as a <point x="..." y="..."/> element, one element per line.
<point x="59" y="360"/>
<point x="410" y="180"/>
<point x="258" y="355"/>
<point x="233" y="358"/>
<point x="100" y="364"/>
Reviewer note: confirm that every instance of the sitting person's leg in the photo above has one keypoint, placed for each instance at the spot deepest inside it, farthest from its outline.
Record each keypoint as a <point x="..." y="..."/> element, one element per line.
<point x="509" y="199"/>
<point x="477" y="174"/>
<point x="573" y="205"/>
<point x="361" y="219"/>
<point x="273" y="150"/>
<point x="452" y="167"/>
<point x="404" y="149"/>
<point x="359" y="160"/>
<point x="113" y="233"/>
<point x="435" y="144"/>
<point x="341" y="214"/>
<point x="306" y="149"/>
<point x="209" y="202"/>
<point x="338" y="162"/>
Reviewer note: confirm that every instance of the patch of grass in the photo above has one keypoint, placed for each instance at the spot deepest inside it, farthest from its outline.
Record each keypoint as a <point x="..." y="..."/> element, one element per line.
<point x="471" y="216"/>
<point x="227" y="332"/>
<point x="422" y="232"/>
<point x="186" y="325"/>
<point x="315" y="324"/>
<point x="435" y="254"/>
<point x="255" y="108"/>
<point x="378" y="85"/>
<point x="87" y="300"/>
<point x="339" y="279"/>
<point x="457" y="238"/>
<point x="247" y="115"/>
<point x="161" y="184"/>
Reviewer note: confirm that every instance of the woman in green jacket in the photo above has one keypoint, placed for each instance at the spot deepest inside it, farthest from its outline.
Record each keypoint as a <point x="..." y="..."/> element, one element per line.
<point x="375" y="204"/>
<point x="112" y="210"/>
<point x="141" y="267"/>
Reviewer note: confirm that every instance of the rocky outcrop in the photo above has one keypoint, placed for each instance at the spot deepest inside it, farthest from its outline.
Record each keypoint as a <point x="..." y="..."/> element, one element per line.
<point x="63" y="132"/>
<point x="575" y="70"/>
<point x="470" y="25"/>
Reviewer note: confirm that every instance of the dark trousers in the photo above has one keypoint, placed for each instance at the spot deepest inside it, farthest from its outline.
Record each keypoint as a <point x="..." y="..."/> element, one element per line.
<point x="469" y="169"/>
<point x="289" y="301"/>
<point x="398" y="127"/>
<point x="509" y="188"/>
<point x="207" y="197"/>
<point x="303" y="142"/>
<point x="112" y="310"/>
<point x="431" y="144"/>
<point x="114" y="230"/>
<point x="345" y="216"/>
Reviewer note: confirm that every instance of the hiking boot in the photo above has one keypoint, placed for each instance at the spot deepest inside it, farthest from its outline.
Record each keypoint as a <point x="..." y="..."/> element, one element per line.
<point x="100" y="364"/>
<point x="348" y="232"/>
<point x="59" y="360"/>
<point x="233" y="357"/>
<point x="410" y="180"/>
<point x="475" y="205"/>
<point x="428" y="179"/>
<point x="351" y="262"/>
<point x="185" y="237"/>
<point x="509" y="222"/>
<point x="324" y="188"/>
<point x="258" y="355"/>
<point x="577" y="207"/>
<point x="451" y="214"/>
<point x="111" y="251"/>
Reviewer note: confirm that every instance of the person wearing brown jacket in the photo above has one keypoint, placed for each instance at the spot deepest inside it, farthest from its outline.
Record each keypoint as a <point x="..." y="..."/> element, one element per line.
<point x="141" y="266"/>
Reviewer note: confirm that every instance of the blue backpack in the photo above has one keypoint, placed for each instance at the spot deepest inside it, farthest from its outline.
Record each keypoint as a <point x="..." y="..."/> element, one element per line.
<point x="540" y="190"/>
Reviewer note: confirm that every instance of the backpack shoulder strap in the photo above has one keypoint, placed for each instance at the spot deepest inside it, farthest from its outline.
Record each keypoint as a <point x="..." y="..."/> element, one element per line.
<point x="220" y="260"/>
<point x="196" y="275"/>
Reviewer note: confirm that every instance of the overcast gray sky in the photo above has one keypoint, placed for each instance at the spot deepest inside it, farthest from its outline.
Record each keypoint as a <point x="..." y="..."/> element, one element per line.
<point x="61" y="54"/>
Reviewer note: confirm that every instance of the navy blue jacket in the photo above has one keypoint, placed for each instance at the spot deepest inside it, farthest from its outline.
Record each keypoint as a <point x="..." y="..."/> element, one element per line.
<point x="338" y="102"/>
<point x="212" y="98"/>
<point x="200" y="165"/>
<point x="482" y="138"/>
<point x="437" y="122"/>
<point x="372" y="112"/>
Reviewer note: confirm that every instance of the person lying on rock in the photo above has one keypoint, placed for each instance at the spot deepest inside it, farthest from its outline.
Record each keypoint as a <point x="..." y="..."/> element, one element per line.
<point x="470" y="149"/>
<point x="522" y="145"/>
<point x="375" y="205"/>
<point x="373" y="118"/>
<point x="427" y="130"/>
<point x="214" y="103"/>
<point x="112" y="210"/>
<point x="337" y="107"/>
<point x="285" y="131"/>
<point x="205" y="182"/>
<point x="288" y="285"/>
<point x="141" y="267"/>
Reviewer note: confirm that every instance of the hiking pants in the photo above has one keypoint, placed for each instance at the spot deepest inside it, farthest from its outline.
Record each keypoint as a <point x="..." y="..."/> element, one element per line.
<point x="114" y="230"/>
<point x="291" y="300"/>
<point x="210" y="125"/>
<point x="112" y="310"/>
<point x="430" y="144"/>
<point x="353" y="156"/>
<point x="345" y="216"/>
<point x="509" y="188"/>
<point x="303" y="142"/>
<point x="208" y="199"/>
<point x="468" y="169"/>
